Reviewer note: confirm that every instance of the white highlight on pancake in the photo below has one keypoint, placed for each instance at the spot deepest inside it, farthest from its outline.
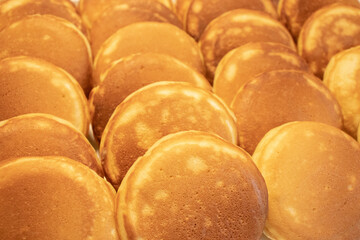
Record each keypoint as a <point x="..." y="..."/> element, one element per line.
<point x="196" y="165"/>
<point x="161" y="195"/>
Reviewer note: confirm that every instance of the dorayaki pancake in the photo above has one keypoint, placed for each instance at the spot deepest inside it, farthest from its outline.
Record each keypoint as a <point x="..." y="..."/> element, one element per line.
<point x="50" y="38"/>
<point x="294" y="13"/>
<point x="146" y="37"/>
<point x="54" y="198"/>
<point x="115" y="17"/>
<point x="130" y="74"/>
<point x="278" y="97"/>
<point x="327" y="32"/>
<point x="14" y="10"/>
<point x="30" y="85"/>
<point x="155" y="111"/>
<point x="45" y="135"/>
<point x="312" y="173"/>
<point x="201" y="12"/>
<point x="342" y="77"/>
<point x="236" y="28"/>
<point x="242" y="64"/>
<point x="192" y="185"/>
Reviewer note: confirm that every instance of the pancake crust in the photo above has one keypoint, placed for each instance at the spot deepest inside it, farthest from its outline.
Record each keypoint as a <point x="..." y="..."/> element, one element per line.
<point x="312" y="173"/>
<point x="328" y="31"/>
<point x="236" y="28"/>
<point x="45" y="135"/>
<point x="242" y="64"/>
<point x="196" y="185"/>
<point x="130" y="74"/>
<point x="146" y="37"/>
<point x="156" y="111"/>
<point x="54" y="198"/>
<point x="50" y="38"/>
<point x="342" y="77"/>
<point x="29" y="85"/>
<point x="278" y="97"/>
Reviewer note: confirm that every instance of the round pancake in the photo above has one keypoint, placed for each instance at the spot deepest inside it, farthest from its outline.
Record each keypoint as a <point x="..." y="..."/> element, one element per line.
<point x="130" y="74"/>
<point x="145" y="37"/>
<point x="327" y="32"/>
<point x="236" y="28"/>
<point x="14" y="10"/>
<point x="278" y="97"/>
<point x="201" y="12"/>
<point x="117" y="16"/>
<point x="30" y="85"/>
<point x="54" y="198"/>
<point x="44" y="135"/>
<point x="195" y="184"/>
<point x="242" y="64"/>
<point x="50" y="38"/>
<point x="155" y="111"/>
<point x="294" y="13"/>
<point x="342" y="77"/>
<point x="312" y="173"/>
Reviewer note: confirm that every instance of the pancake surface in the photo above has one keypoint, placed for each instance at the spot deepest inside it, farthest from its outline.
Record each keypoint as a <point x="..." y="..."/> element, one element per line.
<point x="278" y="97"/>
<point x="328" y="31"/>
<point x="196" y="185"/>
<point x="130" y="74"/>
<point x="342" y="77"/>
<point x="156" y="111"/>
<point x="52" y="39"/>
<point x="241" y="65"/>
<point x="35" y="206"/>
<point x="312" y="174"/>
<point x="236" y="28"/>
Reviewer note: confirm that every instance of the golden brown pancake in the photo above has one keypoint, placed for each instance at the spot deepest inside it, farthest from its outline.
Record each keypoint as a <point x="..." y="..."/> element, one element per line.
<point x="14" y="10"/>
<point x="146" y="37"/>
<point x="201" y="12"/>
<point x="236" y="28"/>
<point x="117" y="16"/>
<point x="242" y="64"/>
<point x="312" y="174"/>
<point x="342" y="77"/>
<point x="155" y="111"/>
<point x="130" y="74"/>
<point x="30" y="85"/>
<point x="181" y="7"/>
<point x="50" y="38"/>
<point x="327" y="32"/>
<point x="278" y="97"/>
<point x="44" y="135"/>
<point x="192" y="185"/>
<point x="54" y="198"/>
<point x="294" y="13"/>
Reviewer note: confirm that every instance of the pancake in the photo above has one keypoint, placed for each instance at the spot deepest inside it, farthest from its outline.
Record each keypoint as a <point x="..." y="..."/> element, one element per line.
<point x="146" y="37"/>
<point x="196" y="185"/>
<point x="242" y="64"/>
<point x="181" y="8"/>
<point x="236" y="28"/>
<point x="294" y="13"/>
<point x="52" y="39"/>
<point x="115" y="17"/>
<point x="327" y="32"/>
<point x="201" y="12"/>
<point x="312" y="173"/>
<point x="54" y="198"/>
<point x="155" y="111"/>
<point x="29" y="85"/>
<point x="44" y="135"/>
<point x="14" y="10"/>
<point x="278" y="97"/>
<point x="130" y="74"/>
<point x="342" y="77"/>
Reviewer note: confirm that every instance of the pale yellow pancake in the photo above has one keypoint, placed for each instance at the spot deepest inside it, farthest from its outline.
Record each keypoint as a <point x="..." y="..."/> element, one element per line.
<point x="192" y="185"/>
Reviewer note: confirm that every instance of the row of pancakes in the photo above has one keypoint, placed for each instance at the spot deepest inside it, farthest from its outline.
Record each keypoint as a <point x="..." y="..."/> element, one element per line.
<point x="186" y="185"/>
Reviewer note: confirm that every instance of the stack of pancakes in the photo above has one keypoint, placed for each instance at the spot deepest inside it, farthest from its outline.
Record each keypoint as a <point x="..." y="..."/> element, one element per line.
<point x="137" y="119"/>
